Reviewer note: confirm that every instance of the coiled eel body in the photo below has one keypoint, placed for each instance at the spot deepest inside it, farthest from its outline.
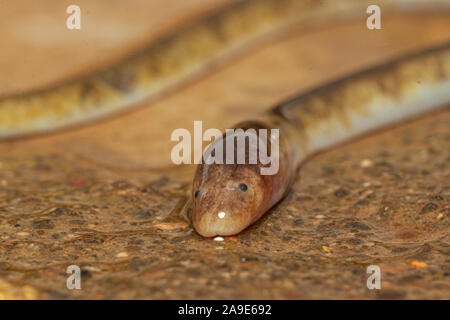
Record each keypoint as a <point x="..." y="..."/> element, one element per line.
<point x="175" y="59"/>
<point x="308" y="123"/>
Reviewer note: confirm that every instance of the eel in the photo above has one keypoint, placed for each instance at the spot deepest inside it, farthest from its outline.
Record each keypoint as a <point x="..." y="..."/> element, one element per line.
<point x="228" y="198"/>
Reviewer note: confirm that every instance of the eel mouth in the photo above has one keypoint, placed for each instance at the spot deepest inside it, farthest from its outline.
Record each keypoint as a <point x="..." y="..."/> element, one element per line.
<point x="211" y="225"/>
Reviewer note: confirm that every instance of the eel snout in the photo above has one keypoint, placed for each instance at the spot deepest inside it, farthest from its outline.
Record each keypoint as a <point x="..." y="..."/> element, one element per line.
<point x="227" y="200"/>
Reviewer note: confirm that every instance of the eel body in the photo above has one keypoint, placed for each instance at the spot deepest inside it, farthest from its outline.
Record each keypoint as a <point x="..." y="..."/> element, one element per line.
<point x="175" y="59"/>
<point x="227" y="198"/>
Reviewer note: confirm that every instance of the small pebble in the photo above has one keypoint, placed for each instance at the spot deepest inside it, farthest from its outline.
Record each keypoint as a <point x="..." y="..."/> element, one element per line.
<point x="219" y="239"/>
<point x="122" y="255"/>
<point x="76" y="181"/>
<point x="91" y="269"/>
<point x="366" y="163"/>
<point x="340" y="193"/>
<point x="429" y="207"/>
<point x="23" y="234"/>
<point x="171" y="225"/>
<point x="419" y="264"/>
<point x="219" y="248"/>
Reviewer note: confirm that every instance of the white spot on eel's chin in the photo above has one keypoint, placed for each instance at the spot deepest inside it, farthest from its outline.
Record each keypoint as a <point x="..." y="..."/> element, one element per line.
<point x="221" y="215"/>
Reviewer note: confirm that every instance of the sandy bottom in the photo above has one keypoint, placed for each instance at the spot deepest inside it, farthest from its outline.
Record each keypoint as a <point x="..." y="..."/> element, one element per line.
<point x="382" y="200"/>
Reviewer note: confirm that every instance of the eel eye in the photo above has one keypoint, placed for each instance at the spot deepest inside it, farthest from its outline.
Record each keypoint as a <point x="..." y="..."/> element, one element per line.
<point x="197" y="193"/>
<point x="243" y="187"/>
